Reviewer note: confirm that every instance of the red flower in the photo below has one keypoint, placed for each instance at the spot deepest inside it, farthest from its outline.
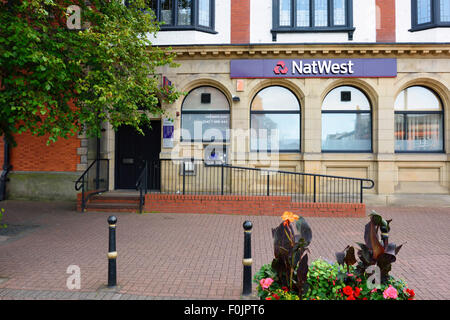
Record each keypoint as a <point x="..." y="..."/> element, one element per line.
<point x="365" y="298"/>
<point x="269" y="298"/>
<point x="357" y="291"/>
<point x="351" y="297"/>
<point x="348" y="291"/>
<point x="411" y="293"/>
<point x="285" y="289"/>
<point x="276" y="296"/>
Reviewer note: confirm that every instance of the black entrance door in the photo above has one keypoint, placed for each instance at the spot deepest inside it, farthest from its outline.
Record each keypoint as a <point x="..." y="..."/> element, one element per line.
<point x="133" y="150"/>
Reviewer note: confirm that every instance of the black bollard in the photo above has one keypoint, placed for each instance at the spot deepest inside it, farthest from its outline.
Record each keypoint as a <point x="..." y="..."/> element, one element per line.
<point x="247" y="261"/>
<point x="112" y="253"/>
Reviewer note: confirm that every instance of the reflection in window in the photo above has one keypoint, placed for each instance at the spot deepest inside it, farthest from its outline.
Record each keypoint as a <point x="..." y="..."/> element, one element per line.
<point x="275" y="121"/>
<point x="203" y="13"/>
<point x="445" y="10"/>
<point x="346" y="121"/>
<point x="423" y="11"/>
<point x="303" y="13"/>
<point x="339" y="12"/>
<point x="205" y="115"/>
<point x="346" y="132"/>
<point x="275" y="132"/>
<point x="321" y="13"/>
<point x="418" y="121"/>
<point x="184" y="12"/>
<point x="166" y="11"/>
<point x="285" y="12"/>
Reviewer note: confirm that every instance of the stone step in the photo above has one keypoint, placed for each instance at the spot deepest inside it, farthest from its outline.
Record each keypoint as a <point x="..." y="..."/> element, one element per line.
<point x="114" y="200"/>
<point x="112" y="206"/>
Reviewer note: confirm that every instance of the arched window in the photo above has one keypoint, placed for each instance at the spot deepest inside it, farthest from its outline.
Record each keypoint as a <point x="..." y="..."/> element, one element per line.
<point x="205" y="115"/>
<point x="346" y="121"/>
<point x="418" y="121"/>
<point x="275" y="121"/>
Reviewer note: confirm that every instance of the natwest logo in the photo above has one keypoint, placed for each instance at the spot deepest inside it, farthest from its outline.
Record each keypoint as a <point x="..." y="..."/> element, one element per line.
<point x="313" y="68"/>
<point x="280" y="68"/>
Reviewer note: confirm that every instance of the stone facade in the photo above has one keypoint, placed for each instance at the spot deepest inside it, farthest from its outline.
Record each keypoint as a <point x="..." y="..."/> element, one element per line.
<point x="393" y="173"/>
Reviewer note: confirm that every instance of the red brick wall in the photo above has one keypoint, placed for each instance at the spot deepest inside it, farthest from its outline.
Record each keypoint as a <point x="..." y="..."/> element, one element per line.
<point x="32" y="154"/>
<point x="385" y="20"/>
<point x="248" y="205"/>
<point x="240" y="21"/>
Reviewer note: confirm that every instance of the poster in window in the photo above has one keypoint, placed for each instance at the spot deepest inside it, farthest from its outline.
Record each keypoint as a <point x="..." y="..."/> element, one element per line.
<point x="168" y="129"/>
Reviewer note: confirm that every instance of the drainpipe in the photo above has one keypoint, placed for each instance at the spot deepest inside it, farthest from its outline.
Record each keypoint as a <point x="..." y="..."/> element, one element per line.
<point x="6" y="168"/>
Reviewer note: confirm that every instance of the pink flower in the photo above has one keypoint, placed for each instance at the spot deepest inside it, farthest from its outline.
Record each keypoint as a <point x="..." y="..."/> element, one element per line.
<point x="390" y="292"/>
<point x="373" y="290"/>
<point x="265" y="283"/>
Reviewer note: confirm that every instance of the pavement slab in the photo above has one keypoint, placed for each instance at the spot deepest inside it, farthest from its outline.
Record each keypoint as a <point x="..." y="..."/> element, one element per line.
<point x="191" y="256"/>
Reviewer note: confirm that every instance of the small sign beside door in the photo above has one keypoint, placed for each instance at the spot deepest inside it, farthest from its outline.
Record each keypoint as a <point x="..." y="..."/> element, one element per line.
<point x="168" y="129"/>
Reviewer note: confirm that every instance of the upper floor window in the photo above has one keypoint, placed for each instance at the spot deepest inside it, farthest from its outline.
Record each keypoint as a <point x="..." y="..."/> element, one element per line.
<point x="426" y="14"/>
<point x="185" y="14"/>
<point x="312" y="16"/>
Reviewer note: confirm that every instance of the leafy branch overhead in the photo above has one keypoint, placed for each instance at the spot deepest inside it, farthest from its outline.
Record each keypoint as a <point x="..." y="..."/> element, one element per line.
<point x="58" y="82"/>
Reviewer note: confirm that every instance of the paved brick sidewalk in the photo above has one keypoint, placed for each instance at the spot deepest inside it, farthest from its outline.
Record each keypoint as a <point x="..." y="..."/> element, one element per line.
<point x="191" y="256"/>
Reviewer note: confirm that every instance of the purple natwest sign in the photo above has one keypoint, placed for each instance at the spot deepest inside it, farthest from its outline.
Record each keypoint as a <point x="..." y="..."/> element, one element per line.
<point x="314" y="68"/>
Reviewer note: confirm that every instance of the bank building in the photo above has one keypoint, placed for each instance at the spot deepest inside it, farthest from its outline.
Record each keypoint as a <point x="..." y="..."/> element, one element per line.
<point x="304" y="101"/>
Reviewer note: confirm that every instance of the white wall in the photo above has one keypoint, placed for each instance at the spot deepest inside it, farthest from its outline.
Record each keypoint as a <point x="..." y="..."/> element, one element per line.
<point x="222" y="26"/>
<point x="403" y="24"/>
<point x="364" y="20"/>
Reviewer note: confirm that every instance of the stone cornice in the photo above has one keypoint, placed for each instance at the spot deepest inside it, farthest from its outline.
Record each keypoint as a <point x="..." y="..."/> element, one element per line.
<point x="261" y="51"/>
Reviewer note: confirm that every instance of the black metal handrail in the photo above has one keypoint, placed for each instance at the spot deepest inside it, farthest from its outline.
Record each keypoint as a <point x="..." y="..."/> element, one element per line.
<point x="92" y="181"/>
<point x="142" y="186"/>
<point x="195" y="176"/>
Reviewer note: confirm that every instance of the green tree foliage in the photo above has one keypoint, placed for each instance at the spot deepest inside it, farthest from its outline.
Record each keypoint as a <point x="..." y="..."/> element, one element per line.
<point x="57" y="81"/>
